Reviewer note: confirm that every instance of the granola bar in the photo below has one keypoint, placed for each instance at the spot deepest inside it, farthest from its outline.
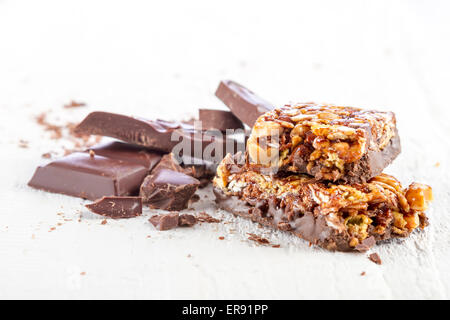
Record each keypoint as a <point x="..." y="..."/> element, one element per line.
<point x="341" y="217"/>
<point x="329" y="142"/>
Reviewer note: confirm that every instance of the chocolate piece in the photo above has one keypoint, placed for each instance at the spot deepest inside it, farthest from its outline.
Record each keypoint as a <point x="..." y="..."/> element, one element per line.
<point x="117" y="207"/>
<point x="333" y="216"/>
<point x="218" y="119"/>
<point x="187" y="220"/>
<point x="128" y="152"/>
<point x="165" y="222"/>
<point x="160" y="135"/>
<point x="366" y="244"/>
<point x="169" y="162"/>
<point x="374" y="257"/>
<point x="81" y="175"/>
<point x="168" y="189"/>
<point x="243" y="103"/>
<point x="329" y="142"/>
<point x="203" y="171"/>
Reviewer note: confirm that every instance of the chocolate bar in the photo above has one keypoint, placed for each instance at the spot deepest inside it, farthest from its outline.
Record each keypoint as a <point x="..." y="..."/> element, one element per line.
<point x="160" y="135"/>
<point x="335" y="143"/>
<point x="219" y="119"/>
<point x="243" y="103"/>
<point x="334" y="216"/>
<point x="114" y="169"/>
<point x="168" y="189"/>
<point x="117" y="207"/>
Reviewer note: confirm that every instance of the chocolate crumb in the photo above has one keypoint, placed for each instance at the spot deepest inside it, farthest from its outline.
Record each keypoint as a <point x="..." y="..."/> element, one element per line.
<point x="374" y="257"/>
<point x="91" y="153"/>
<point x="276" y="246"/>
<point x="104" y="221"/>
<point x="221" y="238"/>
<point x="204" y="217"/>
<point x="259" y="239"/>
<point x="363" y="273"/>
<point x="46" y="155"/>
<point x="74" y="104"/>
<point x="83" y="273"/>
<point x="23" y="144"/>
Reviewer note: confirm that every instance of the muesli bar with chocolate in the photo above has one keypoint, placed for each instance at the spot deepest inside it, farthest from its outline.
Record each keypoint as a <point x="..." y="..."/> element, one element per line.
<point x="341" y="217"/>
<point x="329" y="142"/>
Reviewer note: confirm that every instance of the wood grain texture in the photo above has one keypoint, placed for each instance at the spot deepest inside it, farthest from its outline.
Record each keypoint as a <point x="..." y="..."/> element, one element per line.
<point x="167" y="61"/>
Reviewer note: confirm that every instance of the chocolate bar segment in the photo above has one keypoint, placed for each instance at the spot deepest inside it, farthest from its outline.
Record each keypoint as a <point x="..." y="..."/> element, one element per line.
<point x="117" y="207"/>
<point x="129" y="153"/>
<point x="91" y="176"/>
<point x="219" y="119"/>
<point x="335" y="143"/>
<point x="162" y="136"/>
<point x="243" y="103"/>
<point x="155" y="134"/>
<point x="168" y="190"/>
<point x="333" y="216"/>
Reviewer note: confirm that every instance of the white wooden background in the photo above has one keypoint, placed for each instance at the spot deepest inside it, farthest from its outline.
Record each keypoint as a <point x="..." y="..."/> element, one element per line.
<point x="165" y="59"/>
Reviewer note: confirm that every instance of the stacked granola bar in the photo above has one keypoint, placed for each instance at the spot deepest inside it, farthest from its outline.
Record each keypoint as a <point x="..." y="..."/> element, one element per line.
<point x="316" y="170"/>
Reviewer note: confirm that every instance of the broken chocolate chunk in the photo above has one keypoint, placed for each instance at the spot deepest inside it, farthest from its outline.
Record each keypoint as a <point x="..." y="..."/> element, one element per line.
<point x="187" y="220"/>
<point x="219" y="119"/>
<point x="243" y="103"/>
<point x="117" y="207"/>
<point x="168" y="189"/>
<point x="374" y="257"/>
<point x="201" y="170"/>
<point x="165" y="222"/>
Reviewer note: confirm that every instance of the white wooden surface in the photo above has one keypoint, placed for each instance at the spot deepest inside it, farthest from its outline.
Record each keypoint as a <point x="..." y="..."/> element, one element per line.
<point x="163" y="59"/>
